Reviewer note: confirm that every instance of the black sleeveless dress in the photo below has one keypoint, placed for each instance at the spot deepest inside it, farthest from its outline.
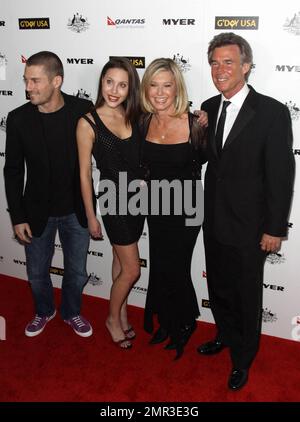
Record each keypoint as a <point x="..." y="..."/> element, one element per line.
<point x="171" y="294"/>
<point x="113" y="156"/>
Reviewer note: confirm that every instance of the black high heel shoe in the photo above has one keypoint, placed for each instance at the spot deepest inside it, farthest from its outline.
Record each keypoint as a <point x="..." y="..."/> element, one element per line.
<point x="159" y="336"/>
<point x="184" y="336"/>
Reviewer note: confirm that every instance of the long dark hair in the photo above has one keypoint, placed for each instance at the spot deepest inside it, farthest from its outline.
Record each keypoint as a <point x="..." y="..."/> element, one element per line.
<point x="131" y="104"/>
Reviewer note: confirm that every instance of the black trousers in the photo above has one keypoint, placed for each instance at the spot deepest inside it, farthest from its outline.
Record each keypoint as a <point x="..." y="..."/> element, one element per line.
<point x="235" y="285"/>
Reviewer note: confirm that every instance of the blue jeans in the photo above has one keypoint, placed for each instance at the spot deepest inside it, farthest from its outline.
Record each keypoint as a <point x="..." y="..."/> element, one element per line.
<point x="75" y="242"/>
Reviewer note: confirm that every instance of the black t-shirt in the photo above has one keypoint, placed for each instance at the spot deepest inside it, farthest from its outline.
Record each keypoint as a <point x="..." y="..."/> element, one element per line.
<point x="61" y="175"/>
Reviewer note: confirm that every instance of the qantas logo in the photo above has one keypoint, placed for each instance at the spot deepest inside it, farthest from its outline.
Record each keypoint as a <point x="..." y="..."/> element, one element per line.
<point x="126" y="22"/>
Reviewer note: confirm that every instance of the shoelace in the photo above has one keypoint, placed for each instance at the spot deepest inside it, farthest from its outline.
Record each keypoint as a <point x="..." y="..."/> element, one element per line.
<point x="36" y="320"/>
<point x="78" y="321"/>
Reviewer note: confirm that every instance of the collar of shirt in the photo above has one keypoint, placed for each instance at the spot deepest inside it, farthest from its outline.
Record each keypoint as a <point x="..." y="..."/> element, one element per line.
<point x="237" y="100"/>
<point x="233" y="109"/>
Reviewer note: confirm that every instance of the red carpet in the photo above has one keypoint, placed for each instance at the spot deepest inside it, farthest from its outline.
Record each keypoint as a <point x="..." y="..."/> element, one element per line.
<point x="60" y="366"/>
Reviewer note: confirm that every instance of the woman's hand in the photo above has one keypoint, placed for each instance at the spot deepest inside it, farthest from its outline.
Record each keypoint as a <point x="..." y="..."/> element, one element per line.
<point x="95" y="228"/>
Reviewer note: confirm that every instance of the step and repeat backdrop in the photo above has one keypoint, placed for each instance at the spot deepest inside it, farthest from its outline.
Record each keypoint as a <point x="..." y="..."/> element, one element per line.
<point x="85" y="35"/>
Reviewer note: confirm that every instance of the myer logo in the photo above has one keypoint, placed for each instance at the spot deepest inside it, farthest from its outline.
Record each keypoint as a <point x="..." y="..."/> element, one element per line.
<point x="6" y="93"/>
<point x="138" y="62"/>
<point x="95" y="253"/>
<point x="75" y="60"/>
<point x="126" y="22"/>
<point x="34" y="23"/>
<point x="182" y="21"/>
<point x="287" y="68"/>
<point x="20" y="262"/>
<point x="236" y="22"/>
<point x="139" y="289"/>
<point x="273" y="287"/>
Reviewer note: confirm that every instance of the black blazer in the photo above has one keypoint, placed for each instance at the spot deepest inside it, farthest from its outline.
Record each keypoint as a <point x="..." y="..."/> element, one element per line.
<point x="25" y="144"/>
<point x="248" y="190"/>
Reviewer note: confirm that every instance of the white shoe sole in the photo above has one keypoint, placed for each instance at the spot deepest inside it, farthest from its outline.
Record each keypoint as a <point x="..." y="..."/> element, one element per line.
<point x="36" y="333"/>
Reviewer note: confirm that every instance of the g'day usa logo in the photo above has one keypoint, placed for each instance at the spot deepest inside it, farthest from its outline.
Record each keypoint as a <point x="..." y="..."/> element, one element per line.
<point x="137" y="61"/>
<point x="236" y="22"/>
<point x="78" y="23"/>
<point x="120" y="23"/>
<point x="292" y="24"/>
<point x="34" y="23"/>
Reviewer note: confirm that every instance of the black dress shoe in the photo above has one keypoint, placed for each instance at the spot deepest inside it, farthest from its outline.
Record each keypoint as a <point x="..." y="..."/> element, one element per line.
<point x="159" y="336"/>
<point x="211" y="347"/>
<point x="238" y="378"/>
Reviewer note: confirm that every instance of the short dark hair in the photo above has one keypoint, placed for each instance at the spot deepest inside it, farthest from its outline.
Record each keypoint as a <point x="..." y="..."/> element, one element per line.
<point x="131" y="104"/>
<point x="51" y="62"/>
<point x="230" y="38"/>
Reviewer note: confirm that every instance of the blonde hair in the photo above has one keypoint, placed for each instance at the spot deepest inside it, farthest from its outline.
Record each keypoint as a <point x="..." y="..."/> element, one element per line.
<point x="164" y="64"/>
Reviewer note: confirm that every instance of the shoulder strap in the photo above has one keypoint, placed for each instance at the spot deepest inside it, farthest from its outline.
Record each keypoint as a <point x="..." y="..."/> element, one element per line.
<point x="96" y="118"/>
<point x="85" y="117"/>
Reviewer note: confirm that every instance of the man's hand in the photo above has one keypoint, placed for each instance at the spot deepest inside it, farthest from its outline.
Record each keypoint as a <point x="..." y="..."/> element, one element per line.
<point x="202" y="117"/>
<point x="270" y="243"/>
<point x="23" y="232"/>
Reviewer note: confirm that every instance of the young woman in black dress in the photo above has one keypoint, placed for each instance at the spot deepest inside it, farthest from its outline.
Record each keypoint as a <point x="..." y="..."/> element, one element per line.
<point x="110" y="133"/>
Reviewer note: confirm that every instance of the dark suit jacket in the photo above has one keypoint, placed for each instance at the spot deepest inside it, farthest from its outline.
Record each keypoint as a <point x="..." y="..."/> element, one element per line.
<point x="25" y="144"/>
<point x="248" y="191"/>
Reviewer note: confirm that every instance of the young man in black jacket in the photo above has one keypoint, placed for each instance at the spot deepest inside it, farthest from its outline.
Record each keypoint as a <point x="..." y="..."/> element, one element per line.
<point x="41" y="134"/>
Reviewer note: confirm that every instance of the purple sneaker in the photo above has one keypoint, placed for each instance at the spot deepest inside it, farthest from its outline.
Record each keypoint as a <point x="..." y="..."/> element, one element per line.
<point x="80" y="325"/>
<point x="36" y="326"/>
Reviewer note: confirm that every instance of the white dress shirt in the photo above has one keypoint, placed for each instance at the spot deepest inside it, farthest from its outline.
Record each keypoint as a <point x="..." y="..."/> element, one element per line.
<point x="233" y="109"/>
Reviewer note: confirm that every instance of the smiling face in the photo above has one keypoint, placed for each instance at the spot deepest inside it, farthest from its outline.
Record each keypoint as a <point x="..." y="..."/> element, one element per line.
<point x="115" y="86"/>
<point x="162" y="91"/>
<point x="41" y="88"/>
<point x="227" y="70"/>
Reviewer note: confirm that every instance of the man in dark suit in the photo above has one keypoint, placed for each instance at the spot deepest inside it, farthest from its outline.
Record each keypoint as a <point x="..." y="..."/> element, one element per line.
<point x="41" y="134"/>
<point x="248" y="191"/>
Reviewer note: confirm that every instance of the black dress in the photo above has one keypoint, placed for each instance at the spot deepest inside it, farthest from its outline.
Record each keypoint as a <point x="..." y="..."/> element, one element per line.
<point x="114" y="155"/>
<point x="171" y="294"/>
